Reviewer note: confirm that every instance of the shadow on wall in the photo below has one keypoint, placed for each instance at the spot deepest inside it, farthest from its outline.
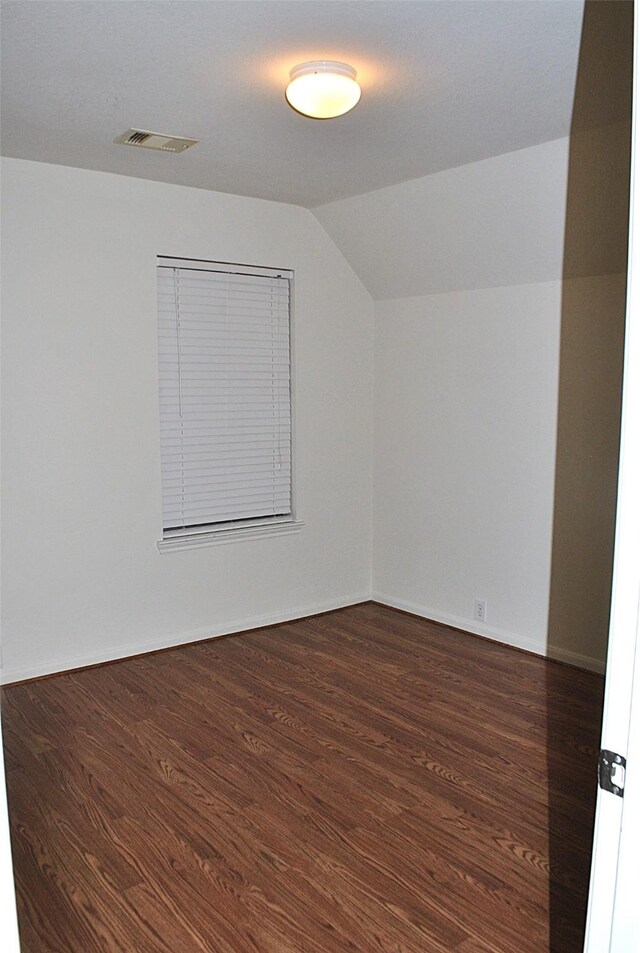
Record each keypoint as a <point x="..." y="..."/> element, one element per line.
<point x="591" y="336"/>
<point x="591" y="352"/>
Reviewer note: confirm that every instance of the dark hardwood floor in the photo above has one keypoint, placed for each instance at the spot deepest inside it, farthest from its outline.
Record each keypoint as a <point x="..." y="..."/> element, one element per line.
<point x="358" y="781"/>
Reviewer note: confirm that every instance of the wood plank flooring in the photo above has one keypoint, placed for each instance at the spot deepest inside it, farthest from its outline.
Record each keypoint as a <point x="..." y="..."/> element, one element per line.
<point x="358" y="781"/>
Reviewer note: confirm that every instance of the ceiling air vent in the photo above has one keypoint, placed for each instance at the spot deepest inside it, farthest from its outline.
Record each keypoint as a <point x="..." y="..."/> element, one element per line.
<point x="154" y="140"/>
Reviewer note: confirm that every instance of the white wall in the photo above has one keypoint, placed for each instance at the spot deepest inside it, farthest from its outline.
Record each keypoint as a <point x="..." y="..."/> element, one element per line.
<point x="500" y="309"/>
<point x="586" y="471"/>
<point x="83" y="579"/>
<point x="471" y="499"/>
<point x="466" y="403"/>
<point x="465" y="411"/>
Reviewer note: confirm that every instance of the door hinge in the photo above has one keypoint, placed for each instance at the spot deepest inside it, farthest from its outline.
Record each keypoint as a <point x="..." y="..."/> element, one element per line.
<point x="612" y="768"/>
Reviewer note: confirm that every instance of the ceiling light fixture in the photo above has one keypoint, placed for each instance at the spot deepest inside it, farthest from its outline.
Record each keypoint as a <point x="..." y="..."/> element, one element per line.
<point x="323" y="89"/>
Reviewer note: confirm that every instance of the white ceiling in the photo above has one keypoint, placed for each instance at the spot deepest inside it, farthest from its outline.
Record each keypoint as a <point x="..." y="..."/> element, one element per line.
<point x="444" y="83"/>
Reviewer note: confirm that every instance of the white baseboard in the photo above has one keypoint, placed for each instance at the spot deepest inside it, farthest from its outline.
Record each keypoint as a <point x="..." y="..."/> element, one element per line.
<point x="69" y="662"/>
<point x="19" y="674"/>
<point x="574" y="658"/>
<point x="496" y="635"/>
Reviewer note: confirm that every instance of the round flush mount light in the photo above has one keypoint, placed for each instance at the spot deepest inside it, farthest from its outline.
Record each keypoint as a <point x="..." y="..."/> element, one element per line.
<point x="323" y="89"/>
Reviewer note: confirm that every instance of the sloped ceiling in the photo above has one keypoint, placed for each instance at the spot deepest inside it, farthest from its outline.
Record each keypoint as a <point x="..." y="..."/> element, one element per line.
<point x="501" y="221"/>
<point x="551" y="211"/>
<point x="495" y="222"/>
<point x="444" y="84"/>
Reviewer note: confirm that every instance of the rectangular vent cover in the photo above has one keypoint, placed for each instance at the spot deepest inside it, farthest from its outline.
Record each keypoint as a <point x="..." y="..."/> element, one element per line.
<point x="154" y="140"/>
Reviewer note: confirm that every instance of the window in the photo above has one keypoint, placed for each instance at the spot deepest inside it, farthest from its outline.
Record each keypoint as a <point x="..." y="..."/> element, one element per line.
<point x="225" y="405"/>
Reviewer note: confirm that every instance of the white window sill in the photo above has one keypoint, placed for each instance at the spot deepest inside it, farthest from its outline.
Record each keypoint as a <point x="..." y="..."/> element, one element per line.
<point x="233" y="535"/>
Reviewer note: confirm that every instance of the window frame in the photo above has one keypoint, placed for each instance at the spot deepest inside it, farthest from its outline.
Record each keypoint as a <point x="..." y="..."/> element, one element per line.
<point x="196" y="537"/>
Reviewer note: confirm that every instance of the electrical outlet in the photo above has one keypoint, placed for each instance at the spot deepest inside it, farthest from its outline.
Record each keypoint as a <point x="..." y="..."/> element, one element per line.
<point x="480" y="611"/>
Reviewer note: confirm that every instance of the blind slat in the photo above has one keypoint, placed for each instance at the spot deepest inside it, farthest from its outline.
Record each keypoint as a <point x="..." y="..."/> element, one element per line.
<point x="218" y="514"/>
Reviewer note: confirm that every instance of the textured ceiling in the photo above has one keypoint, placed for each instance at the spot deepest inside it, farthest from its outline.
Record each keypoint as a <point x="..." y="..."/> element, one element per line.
<point x="444" y="84"/>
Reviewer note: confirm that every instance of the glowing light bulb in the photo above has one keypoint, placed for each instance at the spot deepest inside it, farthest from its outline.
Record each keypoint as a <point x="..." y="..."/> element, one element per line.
<point x="323" y="89"/>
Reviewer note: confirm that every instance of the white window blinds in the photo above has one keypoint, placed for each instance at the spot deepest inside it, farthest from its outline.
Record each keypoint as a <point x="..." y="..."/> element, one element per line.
<point x="225" y="407"/>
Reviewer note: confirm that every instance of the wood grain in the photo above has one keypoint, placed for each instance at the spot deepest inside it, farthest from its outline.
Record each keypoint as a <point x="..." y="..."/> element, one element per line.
<point x="358" y="781"/>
